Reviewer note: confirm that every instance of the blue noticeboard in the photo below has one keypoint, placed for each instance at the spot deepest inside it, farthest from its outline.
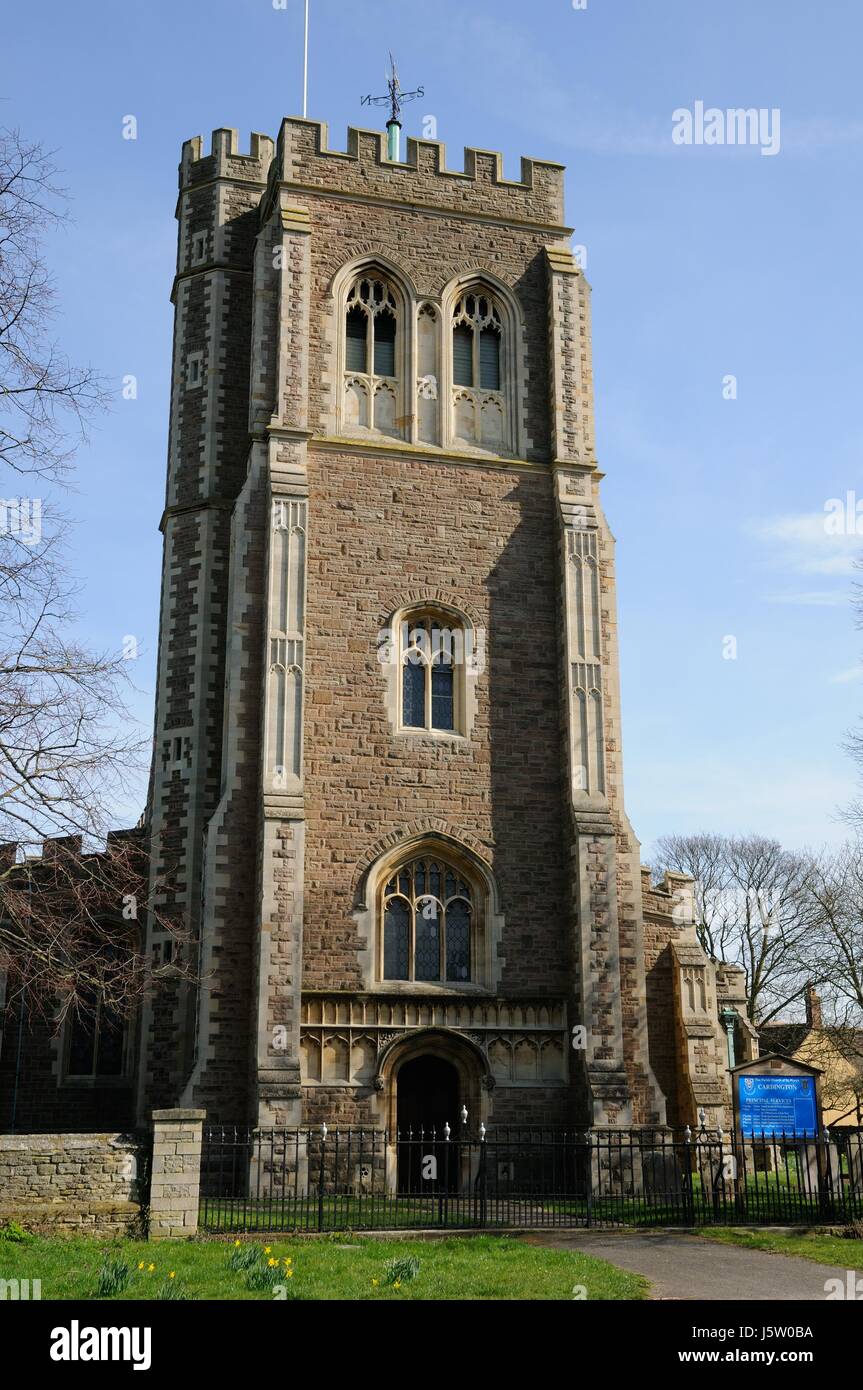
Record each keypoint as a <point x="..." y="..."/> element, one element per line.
<point x="771" y="1104"/>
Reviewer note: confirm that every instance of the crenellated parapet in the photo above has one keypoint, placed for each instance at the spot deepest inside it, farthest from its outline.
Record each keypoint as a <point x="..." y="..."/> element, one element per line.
<point x="304" y="159"/>
<point x="224" y="160"/>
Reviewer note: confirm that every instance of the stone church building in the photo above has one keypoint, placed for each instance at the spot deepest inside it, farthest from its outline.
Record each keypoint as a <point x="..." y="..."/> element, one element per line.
<point x="388" y="777"/>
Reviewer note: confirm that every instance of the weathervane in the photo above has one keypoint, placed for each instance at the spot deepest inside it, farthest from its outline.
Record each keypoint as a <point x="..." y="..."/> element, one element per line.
<point x="395" y="99"/>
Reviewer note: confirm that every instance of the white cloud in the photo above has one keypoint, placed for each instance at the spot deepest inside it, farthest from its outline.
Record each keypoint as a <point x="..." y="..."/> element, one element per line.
<point x="802" y="543"/>
<point x="854" y="673"/>
<point x="816" y="133"/>
<point x="814" y="598"/>
<point x="806" y="543"/>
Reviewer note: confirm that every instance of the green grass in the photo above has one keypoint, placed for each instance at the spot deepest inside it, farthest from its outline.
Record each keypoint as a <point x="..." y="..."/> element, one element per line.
<point x="468" y="1267"/>
<point x="812" y="1245"/>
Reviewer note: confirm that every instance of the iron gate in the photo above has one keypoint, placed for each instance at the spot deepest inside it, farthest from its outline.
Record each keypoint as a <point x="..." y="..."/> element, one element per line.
<point x="365" y="1179"/>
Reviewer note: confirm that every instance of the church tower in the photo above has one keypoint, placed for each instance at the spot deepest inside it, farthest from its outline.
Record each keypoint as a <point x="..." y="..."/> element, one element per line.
<point x="388" y="788"/>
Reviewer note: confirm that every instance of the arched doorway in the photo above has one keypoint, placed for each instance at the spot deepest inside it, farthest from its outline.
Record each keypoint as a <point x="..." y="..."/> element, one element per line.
<point x="432" y="1095"/>
<point x="427" y="1100"/>
<point x="428" y="1095"/>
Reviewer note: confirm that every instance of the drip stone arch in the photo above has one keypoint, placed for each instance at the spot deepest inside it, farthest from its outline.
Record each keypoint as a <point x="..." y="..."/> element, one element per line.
<point x="348" y="386"/>
<point x="468" y="645"/>
<point x="487" y="922"/>
<point x="509" y="400"/>
<point x="468" y="1058"/>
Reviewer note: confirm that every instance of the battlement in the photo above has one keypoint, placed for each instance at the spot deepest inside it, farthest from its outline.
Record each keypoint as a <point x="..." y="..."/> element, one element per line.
<point x="304" y="160"/>
<point x="65" y="848"/>
<point x="671" y="900"/>
<point x="224" y="159"/>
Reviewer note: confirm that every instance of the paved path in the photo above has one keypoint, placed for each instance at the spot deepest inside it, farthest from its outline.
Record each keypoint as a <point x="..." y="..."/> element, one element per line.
<point x="684" y="1266"/>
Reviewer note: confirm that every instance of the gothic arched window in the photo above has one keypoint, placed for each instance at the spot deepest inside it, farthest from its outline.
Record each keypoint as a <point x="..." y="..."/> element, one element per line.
<point x="478" y="371"/>
<point x="432" y="655"/>
<point x="427" y="914"/>
<point x="371" y="356"/>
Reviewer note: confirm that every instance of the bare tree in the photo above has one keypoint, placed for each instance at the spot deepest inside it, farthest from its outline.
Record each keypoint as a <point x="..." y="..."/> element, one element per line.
<point x="39" y="388"/>
<point x="64" y="755"/>
<point x="752" y="910"/>
<point x="67" y="746"/>
<point x="835" y="943"/>
<point x="71" y="937"/>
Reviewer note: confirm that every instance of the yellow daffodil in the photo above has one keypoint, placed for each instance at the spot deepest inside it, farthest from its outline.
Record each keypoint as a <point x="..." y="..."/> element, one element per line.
<point x="397" y="1284"/>
<point x="140" y="1264"/>
<point x="150" y="1268"/>
<point x="289" y="1262"/>
<point x="375" y="1282"/>
<point x="236" y="1243"/>
<point x="271" y="1262"/>
<point x="289" y="1273"/>
<point x="172" y="1275"/>
<point x="268" y="1249"/>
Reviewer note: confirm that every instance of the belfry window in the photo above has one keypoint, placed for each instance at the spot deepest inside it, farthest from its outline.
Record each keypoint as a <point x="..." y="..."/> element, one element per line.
<point x="489" y="359"/>
<point x="356" y="347"/>
<point x="371" y="356"/>
<point x="432" y="654"/>
<point x="462" y="355"/>
<point x="427" y="923"/>
<point x="478" y="372"/>
<point x="385" y="345"/>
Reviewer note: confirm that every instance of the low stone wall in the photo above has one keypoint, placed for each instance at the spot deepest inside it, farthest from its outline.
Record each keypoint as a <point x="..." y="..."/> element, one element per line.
<point x="82" y="1183"/>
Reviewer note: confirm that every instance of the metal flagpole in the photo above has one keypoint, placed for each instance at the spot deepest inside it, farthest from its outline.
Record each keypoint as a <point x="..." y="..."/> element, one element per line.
<point x="306" y="63"/>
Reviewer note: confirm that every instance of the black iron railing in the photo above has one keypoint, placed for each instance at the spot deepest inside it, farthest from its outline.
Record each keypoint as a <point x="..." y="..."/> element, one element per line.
<point x="366" y="1179"/>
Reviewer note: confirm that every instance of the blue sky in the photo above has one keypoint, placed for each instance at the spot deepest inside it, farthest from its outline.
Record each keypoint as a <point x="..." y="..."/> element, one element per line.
<point x="705" y="261"/>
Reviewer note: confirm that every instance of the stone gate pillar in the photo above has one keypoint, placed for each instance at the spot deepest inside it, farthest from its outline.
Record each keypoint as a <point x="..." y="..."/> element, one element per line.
<point x="175" y="1183"/>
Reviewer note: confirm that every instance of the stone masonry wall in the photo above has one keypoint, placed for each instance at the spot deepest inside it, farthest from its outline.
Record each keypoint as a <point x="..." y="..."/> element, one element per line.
<point x="660" y="929"/>
<point x="72" y="1182"/>
<point x="486" y="549"/>
<point x="207" y="459"/>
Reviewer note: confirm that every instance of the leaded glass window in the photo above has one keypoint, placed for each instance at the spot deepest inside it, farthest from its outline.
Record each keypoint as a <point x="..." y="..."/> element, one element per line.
<point x="414" y="694"/>
<point x="397" y="940"/>
<point x="431" y="659"/>
<point x="442" y="693"/>
<point x="427" y="923"/>
<point x="427" y="959"/>
<point x="458" y="940"/>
